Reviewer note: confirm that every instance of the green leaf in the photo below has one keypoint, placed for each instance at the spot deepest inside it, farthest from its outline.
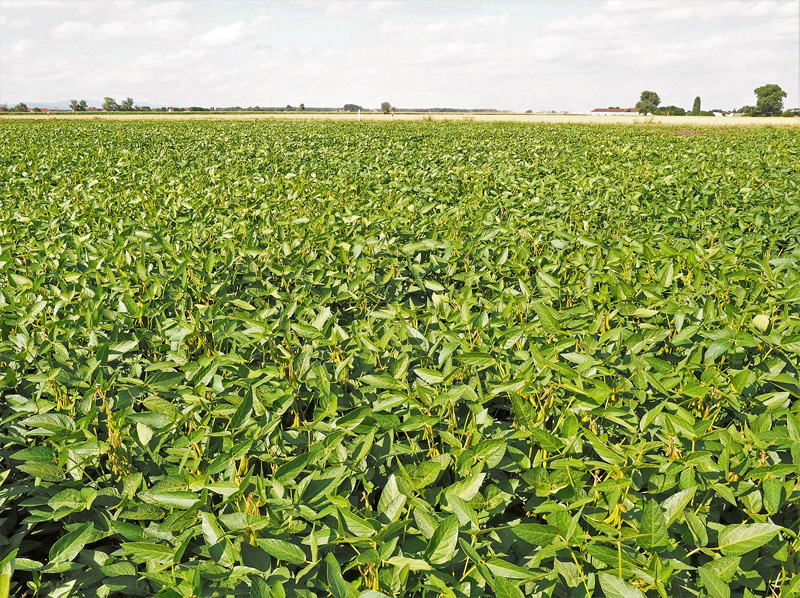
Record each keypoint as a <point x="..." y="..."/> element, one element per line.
<point x="697" y="528"/>
<point x="288" y="471"/>
<point x="467" y="489"/>
<point x="259" y="588"/>
<point x="442" y="545"/>
<point x="117" y="350"/>
<point x="53" y="422"/>
<point x="546" y="440"/>
<point x="382" y="381"/>
<point x="392" y="500"/>
<point x="68" y="546"/>
<point x="536" y="534"/>
<point x="715" y="587"/>
<point x="773" y="493"/>
<point x="69" y="498"/>
<point x="465" y="513"/>
<point x="717" y="348"/>
<point x="476" y="359"/>
<point x="144" y="552"/>
<point x="614" y="587"/>
<point x="358" y="526"/>
<point x="242" y="413"/>
<point x="424" y="474"/>
<point x="653" y="528"/>
<point x="506" y="589"/>
<point x="336" y="583"/>
<point x="6" y="573"/>
<point x="282" y="550"/>
<point x="241" y="304"/>
<point x="177" y="499"/>
<point x="504" y="569"/>
<point x="548" y="317"/>
<point x="725" y="567"/>
<point x="412" y="564"/>
<point x="675" y="504"/>
<point x="429" y="376"/>
<point x="736" y="540"/>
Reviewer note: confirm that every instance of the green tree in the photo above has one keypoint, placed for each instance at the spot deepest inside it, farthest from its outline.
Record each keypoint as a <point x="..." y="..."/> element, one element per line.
<point x="21" y="107"/>
<point x="669" y="111"/>
<point x="770" y="100"/>
<point x="386" y="107"/>
<point x="302" y="107"/>
<point x="110" y="105"/>
<point x="351" y="108"/>
<point x="127" y="105"/>
<point x="648" y="102"/>
<point x="696" y="106"/>
<point x="78" y="106"/>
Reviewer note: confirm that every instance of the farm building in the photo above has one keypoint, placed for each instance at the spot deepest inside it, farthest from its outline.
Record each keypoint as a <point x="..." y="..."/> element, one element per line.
<point x="614" y="111"/>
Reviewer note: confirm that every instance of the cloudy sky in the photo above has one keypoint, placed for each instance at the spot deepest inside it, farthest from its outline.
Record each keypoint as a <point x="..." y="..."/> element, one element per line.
<point x="514" y="55"/>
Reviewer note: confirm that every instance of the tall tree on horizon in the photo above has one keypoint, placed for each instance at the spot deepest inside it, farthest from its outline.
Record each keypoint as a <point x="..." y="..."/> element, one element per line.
<point x="648" y="102"/>
<point x="770" y="100"/>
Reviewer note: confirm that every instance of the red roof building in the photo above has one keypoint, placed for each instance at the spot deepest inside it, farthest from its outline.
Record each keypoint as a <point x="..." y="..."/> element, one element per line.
<point x="614" y="110"/>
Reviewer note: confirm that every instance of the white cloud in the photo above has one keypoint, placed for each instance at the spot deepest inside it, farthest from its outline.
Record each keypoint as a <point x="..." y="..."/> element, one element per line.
<point x="148" y="63"/>
<point x="483" y="25"/>
<point x="594" y="23"/>
<point x="384" y="5"/>
<point x="72" y="30"/>
<point x="224" y="35"/>
<point x="82" y="31"/>
<point x="19" y="23"/>
<point x="22" y="46"/>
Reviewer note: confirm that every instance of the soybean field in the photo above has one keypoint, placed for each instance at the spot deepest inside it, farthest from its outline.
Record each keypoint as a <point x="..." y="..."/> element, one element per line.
<point x="422" y="359"/>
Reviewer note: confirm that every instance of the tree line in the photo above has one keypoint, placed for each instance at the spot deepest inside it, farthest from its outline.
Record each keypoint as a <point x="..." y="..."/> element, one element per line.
<point x="769" y="102"/>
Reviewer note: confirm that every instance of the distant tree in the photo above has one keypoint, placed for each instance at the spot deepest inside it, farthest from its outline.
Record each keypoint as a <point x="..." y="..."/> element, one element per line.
<point x="289" y="108"/>
<point x="696" y="106"/>
<point x="770" y="100"/>
<point x="648" y="102"/>
<point x="669" y="111"/>
<point x="3" y="107"/>
<point x="127" y="105"/>
<point x="302" y="107"/>
<point x="351" y="108"/>
<point x="386" y="107"/>
<point x="73" y="104"/>
<point x="21" y="107"/>
<point x="78" y="106"/>
<point x="110" y="105"/>
<point x="37" y="109"/>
